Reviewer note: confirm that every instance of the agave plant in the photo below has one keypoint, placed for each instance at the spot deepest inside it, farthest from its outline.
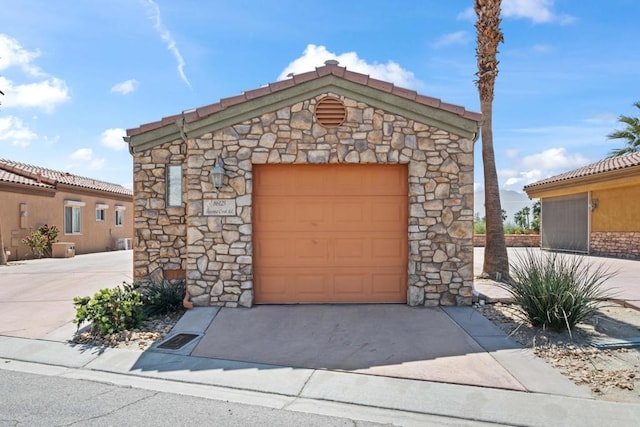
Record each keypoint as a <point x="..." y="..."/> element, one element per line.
<point x="557" y="291"/>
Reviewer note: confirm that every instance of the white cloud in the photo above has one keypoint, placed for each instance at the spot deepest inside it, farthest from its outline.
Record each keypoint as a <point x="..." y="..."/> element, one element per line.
<point x="125" y="87"/>
<point x="314" y="56"/>
<point x="112" y="138"/>
<point x="154" y="14"/>
<point x="541" y="48"/>
<point x="13" y="130"/>
<point x="524" y="178"/>
<point x="555" y="159"/>
<point x="538" y="11"/>
<point x="12" y="54"/>
<point x="467" y="15"/>
<point x="602" y="118"/>
<point x="85" y="155"/>
<point x="539" y="166"/>
<point x="459" y="37"/>
<point x="46" y="94"/>
<point x="511" y="153"/>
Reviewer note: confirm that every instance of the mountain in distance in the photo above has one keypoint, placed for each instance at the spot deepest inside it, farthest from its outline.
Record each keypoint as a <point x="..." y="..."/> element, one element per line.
<point x="511" y="201"/>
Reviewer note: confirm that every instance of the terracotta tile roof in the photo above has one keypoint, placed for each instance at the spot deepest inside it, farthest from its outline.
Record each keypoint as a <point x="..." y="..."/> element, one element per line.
<point x="8" y="176"/>
<point x="330" y="67"/>
<point x="603" y="166"/>
<point x="21" y="173"/>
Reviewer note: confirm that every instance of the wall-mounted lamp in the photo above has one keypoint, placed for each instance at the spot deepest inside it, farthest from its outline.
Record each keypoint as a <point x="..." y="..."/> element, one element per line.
<point x="593" y="204"/>
<point x="217" y="174"/>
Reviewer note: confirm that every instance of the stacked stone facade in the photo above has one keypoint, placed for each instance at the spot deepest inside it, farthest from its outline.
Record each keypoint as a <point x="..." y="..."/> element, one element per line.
<point x="618" y="244"/>
<point x="215" y="252"/>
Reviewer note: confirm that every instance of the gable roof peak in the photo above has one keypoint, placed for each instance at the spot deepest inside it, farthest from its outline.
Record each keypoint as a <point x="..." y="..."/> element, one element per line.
<point x="331" y="74"/>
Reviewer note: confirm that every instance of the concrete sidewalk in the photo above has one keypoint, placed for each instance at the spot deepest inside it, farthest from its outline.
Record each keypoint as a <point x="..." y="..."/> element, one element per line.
<point x="313" y="390"/>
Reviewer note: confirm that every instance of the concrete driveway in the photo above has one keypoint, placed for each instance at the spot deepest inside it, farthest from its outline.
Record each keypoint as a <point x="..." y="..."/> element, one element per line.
<point x="36" y="295"/>
<point x="455" y="345"/>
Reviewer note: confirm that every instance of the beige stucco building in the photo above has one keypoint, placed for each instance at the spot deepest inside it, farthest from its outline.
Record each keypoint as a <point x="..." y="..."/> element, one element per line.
<point x="594" y="209"/>
<point x="334" y="187"/>
<point x="92" y="215"/>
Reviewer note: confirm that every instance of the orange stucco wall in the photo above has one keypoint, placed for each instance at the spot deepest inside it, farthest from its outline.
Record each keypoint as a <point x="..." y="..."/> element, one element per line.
<point x="618" y="209"/>
<point x="49" y="209"/>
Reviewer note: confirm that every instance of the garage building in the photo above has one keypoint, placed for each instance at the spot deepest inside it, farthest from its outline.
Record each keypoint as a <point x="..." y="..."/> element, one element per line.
<point x="327" y="187"/>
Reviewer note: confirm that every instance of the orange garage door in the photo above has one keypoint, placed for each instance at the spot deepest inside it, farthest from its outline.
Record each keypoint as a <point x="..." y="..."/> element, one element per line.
<point x="330" y="233"/>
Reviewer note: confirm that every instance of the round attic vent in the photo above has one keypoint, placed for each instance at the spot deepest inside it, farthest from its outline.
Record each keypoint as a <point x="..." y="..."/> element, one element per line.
<point x="330" y="112"/>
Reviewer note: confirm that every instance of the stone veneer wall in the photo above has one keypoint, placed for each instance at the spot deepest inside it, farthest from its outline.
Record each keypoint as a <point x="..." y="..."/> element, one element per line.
<point x="218" y="255"/>
<point x="160" y="233"/>
<point x="618" y="244"/>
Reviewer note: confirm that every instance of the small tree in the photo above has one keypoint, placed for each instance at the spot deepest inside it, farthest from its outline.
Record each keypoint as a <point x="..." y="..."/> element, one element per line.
<point x="40" y="241"/>
<point x="630" y="134"/>
<point x="520" y="219"/>
<point x="535" y="223"/>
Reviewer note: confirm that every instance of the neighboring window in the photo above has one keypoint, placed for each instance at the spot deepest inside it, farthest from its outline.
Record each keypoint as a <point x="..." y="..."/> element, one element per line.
<point x="174" y="185"/>
<point x="119" y="215"/>
<point x="73" y="216"/>
<point x="101" y="211"/>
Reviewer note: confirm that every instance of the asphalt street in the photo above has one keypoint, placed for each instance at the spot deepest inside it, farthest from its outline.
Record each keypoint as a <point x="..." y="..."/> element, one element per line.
<point x="51" y="400"/>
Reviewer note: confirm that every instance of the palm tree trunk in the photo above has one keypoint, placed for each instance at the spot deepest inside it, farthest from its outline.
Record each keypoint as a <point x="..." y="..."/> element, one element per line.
<point x="496" y="262"/>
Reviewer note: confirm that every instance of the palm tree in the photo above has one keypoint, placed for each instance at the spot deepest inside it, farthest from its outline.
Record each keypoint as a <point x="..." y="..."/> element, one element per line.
<point x="520" y="219"/>
<point x="631" y="135"/>
<point x="489" y="36"/>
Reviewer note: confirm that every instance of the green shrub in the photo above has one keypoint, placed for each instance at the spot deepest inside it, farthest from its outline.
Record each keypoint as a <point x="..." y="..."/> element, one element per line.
<point x="479" y="227"/>
<point x="163" y="298"/>
<point x="509" y="228"/>
<point x="41" y="240"/>
<point x="556" y="291"/>
<point x="111" y="310"/>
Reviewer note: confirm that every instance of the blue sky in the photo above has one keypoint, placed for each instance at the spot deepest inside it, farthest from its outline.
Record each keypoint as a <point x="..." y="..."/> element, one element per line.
<point x="77" y="73"/>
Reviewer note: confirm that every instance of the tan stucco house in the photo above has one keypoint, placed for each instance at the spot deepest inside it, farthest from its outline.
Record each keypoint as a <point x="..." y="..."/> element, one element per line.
<point x="327" y="187"/>
<point x="593" y="210"/>
<point x="92" y="215"/>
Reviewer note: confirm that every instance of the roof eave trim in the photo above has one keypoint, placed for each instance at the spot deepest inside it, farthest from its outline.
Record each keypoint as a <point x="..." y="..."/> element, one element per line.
<point x="536" y="190"/>
<point x="445" y="120"/>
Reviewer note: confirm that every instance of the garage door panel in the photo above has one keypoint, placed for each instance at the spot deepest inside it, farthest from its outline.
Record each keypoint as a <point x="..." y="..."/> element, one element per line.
<point x="388" y="285"/>
<point x="349" y="250"/>
<point x="391" y="212"/>
<point x="271" y="215"/>
<point x="336" y="233"/>
<point x="310" y="212"/>
<point x="348" y="212"/>
<point x="310" y="250"/>
<point x="276" y="283"/>
<point x="346" y="284"/>
<point x="387" y="248"/>
<point x="309" y="284"/>
<point x="272" y="251"/>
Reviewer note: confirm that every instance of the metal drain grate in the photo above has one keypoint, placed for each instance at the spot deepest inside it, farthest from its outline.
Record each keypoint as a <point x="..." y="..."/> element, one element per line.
<point x="178" y="341"/>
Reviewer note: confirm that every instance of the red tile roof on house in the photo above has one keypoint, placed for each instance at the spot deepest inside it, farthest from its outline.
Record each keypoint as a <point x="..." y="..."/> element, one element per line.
<point x="21" y="173"/>
<point x="330" y="67"/>
<point x="603" y="166"/>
